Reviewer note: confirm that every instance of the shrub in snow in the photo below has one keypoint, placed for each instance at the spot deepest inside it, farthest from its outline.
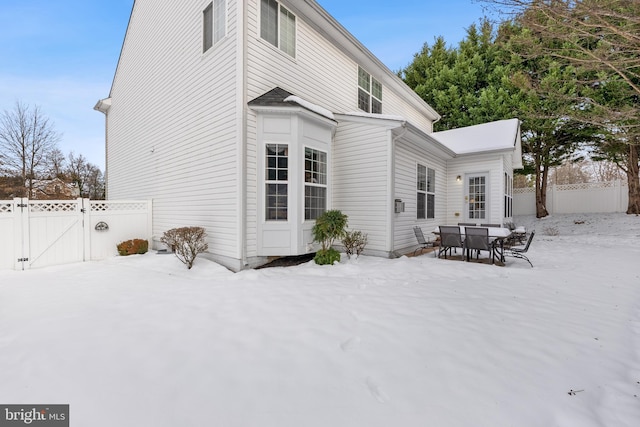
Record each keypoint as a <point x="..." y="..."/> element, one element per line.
<point x="354" y="242"/>
<point x="327" y="257"/>
<point x="328" y="227"/>
<point x="186" y="243"/>
<point x="134" y="246"/>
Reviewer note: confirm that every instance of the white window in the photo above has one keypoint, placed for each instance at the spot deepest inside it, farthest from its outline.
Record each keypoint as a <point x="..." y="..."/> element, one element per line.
<point x="508" y="196"/>
<point x="369" y="93"/>
<point x="276" y="182"/>
<point x="278" y="26"/>
<point x="214" y="23"/>
<point x="315" y="183"/>
<point x="426" y="189"/>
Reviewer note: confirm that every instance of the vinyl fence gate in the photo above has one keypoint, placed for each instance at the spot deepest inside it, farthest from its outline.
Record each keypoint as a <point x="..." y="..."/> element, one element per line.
<point x="40" y="233"/>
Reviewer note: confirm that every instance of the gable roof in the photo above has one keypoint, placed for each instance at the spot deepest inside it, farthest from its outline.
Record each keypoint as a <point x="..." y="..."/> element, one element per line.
<point x="274" y="98"/>
<point x="278" y="97"/>
<point x="486" y="137"/>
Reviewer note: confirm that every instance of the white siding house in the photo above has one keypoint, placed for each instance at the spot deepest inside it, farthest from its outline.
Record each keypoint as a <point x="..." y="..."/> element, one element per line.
<point x="252" y="117"/>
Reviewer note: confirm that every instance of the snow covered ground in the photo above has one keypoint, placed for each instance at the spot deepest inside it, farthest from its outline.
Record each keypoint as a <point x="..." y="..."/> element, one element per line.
<point x="142" y="341"/>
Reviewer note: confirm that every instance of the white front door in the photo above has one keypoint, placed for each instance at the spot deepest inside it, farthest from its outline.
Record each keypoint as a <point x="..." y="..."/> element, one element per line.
<point x="476" y="197"/>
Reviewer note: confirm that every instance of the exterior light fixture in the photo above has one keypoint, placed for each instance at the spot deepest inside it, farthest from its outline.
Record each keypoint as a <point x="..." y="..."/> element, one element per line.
<point x="458" y="178"/>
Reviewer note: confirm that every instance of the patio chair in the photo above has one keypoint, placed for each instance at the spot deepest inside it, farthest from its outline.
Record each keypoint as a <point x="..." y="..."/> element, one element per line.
<point x="477" y="239"/>
<point x="422" y="241"/>
<point x="491" y="225"/>
<point x="467" y="224"/>
<point x="450" y="238"/>
<point x="518" y="252"/>
<point x="516" y="238"/>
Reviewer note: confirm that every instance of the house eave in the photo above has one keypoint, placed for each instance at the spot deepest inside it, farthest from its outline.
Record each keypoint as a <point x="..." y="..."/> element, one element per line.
<point x="103" y="105"/>
<point x="293" y="109"/>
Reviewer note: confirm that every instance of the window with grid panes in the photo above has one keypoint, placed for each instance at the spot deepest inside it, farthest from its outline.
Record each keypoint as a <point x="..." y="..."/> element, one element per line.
<point x="315" y="183"/>
<point x="276" y="182"/>
<point x="425" y="187"/>
<point x="369" y="92"/>
<point x="278" y="26"/>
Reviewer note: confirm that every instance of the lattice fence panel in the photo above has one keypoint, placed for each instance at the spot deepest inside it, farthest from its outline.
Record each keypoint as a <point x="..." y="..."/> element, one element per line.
<point x="118" y="206"/>
<point x="6" y="208"/>
<point x="53" y="206"/>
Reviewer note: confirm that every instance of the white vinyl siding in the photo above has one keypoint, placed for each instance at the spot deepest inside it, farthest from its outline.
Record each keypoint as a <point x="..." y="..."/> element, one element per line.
<point x="360" y="172"/>
<point x="405" y="159"/>
<point x="323" y="74"/>
<point x="171" y="130"/>
<point x="475" y="165"/>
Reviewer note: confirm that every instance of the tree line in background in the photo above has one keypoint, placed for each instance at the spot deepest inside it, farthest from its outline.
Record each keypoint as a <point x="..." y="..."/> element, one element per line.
<point x="32" y="165"/>
<point x="568" y="69"/>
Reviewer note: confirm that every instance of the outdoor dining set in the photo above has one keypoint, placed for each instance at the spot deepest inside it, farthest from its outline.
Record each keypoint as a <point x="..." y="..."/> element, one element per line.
<point x="472" y="239"/>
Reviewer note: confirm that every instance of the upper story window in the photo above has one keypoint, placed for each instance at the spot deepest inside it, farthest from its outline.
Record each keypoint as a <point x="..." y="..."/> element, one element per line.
<point x="426" y="189"/>
<point x="214" y="23"/>
<point x="369" y="93"/>
<point x="278" y="26"/>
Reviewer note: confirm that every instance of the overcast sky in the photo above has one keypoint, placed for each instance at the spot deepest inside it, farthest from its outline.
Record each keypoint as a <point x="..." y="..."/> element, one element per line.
<point x="61" y="55"/>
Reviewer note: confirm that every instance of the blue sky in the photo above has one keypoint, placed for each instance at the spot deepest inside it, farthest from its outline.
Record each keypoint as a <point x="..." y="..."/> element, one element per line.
<point x="61" y="55"/>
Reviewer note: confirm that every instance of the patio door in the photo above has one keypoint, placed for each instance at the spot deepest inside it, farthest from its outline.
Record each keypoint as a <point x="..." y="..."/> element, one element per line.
<point x="476" y="197"/>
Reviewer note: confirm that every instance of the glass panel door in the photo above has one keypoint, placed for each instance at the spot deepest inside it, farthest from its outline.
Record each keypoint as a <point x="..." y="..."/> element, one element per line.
<point x="476" y="197"/>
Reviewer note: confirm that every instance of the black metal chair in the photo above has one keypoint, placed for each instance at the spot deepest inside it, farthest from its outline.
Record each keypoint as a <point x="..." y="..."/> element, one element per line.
<point x="450" y="238"/>
<point x="518" y="252"/>
<point x="477" y="238"/>
<point x="422" y="241"/>
<point x="467" y="224"/>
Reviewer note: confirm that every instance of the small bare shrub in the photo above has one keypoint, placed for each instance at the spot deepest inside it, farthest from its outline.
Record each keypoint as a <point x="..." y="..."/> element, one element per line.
<point x="186" y="243"/>
<point x="551" y="231"/>
<point x="134" y="246"/>
<point x="354" y="242"/>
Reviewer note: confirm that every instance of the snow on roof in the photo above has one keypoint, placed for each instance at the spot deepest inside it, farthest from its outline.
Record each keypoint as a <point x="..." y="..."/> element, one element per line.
<point x="309" y="106"/>
<point x="375" y="116"/>
<point x="499" y="135"/>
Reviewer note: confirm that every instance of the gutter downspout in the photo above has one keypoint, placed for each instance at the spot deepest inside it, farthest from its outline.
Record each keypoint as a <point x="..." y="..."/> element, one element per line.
<point x="392" y="185"/>
<point x="241" y="119"/>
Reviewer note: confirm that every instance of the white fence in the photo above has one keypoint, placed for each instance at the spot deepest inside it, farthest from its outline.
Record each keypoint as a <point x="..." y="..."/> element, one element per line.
<point x="594" y="197"/>
<point x="39" y="233"/>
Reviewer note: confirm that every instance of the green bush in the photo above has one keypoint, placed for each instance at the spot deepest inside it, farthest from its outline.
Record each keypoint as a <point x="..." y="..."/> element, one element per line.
<point x="328" y="227"/>
<point x="134" y="246"/>
<point x="354" y="242"/>
<point x="327" y="257"/>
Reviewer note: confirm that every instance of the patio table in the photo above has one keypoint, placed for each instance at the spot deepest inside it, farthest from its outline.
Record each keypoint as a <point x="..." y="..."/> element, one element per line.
<point x="499" y="234"/>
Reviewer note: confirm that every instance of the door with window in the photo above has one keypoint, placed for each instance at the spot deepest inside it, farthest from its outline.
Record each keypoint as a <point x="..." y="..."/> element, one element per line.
<point x="476" y="197"/>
